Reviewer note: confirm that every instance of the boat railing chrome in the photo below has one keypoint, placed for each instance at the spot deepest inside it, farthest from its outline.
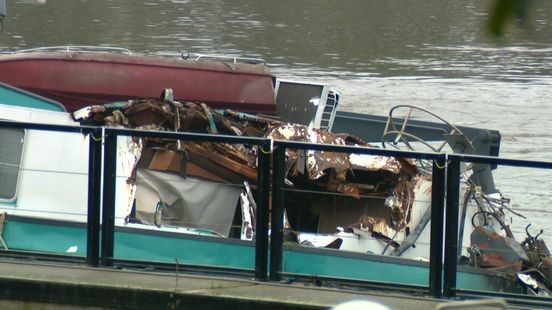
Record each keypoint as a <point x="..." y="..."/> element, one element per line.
<point x="121" y="50"/>
<point x="451" y="135"/>
<point x="233" y="59"/>
<point x="77" y="48"/>
<point x="393" y="135"/>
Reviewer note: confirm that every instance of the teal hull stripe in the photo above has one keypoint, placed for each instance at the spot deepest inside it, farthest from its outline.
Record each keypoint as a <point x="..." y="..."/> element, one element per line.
<point x="70" y="238"/>
<point x="335" y="265"/>
<point x="183" y="250"/>
<point x="353" y="268"/>
<point x="17" y="97"/>
<point x="45" y="238"/>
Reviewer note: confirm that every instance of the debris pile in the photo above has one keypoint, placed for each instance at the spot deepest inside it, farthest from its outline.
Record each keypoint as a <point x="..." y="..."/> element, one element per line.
<point x="376" y="194"/>
<point x="353" y="175"/>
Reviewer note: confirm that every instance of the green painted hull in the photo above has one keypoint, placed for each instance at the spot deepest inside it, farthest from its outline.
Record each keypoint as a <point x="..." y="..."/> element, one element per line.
<point x="13" y="96"/>
<point x="143" y="245"/>
<point x="187" y="249"/>
<point x="357" y="266"/>
<point x="130" y="244"/>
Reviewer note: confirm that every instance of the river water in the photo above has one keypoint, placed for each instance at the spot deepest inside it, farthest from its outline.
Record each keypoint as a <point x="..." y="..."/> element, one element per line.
<point x="435" y="54"/>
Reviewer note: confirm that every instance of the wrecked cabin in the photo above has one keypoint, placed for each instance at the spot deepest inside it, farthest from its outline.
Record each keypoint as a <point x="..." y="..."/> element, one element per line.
<point x="199" y="185"/>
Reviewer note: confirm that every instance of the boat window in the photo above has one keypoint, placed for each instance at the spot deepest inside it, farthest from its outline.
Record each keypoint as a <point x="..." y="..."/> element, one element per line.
<point x="11" y="147"/>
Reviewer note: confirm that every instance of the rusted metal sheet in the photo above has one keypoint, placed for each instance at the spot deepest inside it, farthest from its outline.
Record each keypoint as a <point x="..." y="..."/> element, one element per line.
<point x="353" y="175"/>
<point x="375" y="163"/>
<point x="371" y="224"/>
<point x="331" y="170"/>
<point x="220" y="162"/>
<point x="316" y="161"/>
<point x="493" y="250"/>
<point x="339" y="172"/>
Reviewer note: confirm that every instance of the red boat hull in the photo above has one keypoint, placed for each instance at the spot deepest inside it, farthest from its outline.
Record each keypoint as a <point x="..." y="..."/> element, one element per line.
<point x="80" y="79"/>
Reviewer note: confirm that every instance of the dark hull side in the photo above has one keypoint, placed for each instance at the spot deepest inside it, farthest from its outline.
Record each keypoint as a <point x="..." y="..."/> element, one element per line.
<point x="81" y="79"/>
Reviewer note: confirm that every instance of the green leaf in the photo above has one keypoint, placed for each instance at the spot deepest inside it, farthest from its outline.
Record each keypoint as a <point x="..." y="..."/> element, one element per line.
<point x="504" y="11"/>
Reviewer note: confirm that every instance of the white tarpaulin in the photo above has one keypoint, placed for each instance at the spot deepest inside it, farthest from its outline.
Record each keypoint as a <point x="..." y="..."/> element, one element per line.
<point x="189" y="202"/>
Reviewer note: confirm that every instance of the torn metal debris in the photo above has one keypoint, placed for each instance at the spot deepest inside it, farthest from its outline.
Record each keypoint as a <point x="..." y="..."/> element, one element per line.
<point x="378" y="204"/>
<point x="353" y="175"/>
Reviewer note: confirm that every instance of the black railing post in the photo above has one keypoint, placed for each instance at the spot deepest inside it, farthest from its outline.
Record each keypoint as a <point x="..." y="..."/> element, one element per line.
<point x="108" y="205"/>
<point x="277" y="218"/>
<point x="451" y="228"/>
<point x="263" y="193"/>
<point x="94" y="193"/>
<point x="436" y="235"/>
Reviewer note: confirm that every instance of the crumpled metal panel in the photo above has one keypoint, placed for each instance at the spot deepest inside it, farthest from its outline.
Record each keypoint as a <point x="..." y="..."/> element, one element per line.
<point x="316" y="161"/>
<point x="330" y="170"/>
<point x="375" y="163"/>
<point x="371" y="224"/>
<point x="319" y="161"/>
<point x="146" y="112"/>
<point x="336" y="166"/>
<point x="401" y="205"/>
<point x="247" y="229"/>
<point x="495" y="250"/>
<point x="545" y="267"/>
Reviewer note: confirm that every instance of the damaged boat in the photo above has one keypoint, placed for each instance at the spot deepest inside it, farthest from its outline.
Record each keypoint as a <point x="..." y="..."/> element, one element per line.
<point x="86" y="75"/>
<point x="346" y="215"/>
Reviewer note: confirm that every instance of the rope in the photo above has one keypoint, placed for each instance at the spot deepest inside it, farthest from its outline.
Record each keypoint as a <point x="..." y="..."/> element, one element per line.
<point x="96" y="139"/>
<point x="271" y="148"/>
<point x="442" y="167"/>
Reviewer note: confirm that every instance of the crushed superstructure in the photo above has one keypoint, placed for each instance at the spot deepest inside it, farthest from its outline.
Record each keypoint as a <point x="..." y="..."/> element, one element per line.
<point x="352" y="175"/>
<point x="353" y="202"/>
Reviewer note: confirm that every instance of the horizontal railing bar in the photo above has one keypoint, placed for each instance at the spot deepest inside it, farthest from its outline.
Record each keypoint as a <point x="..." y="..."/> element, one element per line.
<point x="47" y="127"/>
<point x="288" y="144"/>
<point x="189" y="136"/>
<point x="76" y="48"/>
<point x="501" y="161"/>
<point x="358" y="150"/>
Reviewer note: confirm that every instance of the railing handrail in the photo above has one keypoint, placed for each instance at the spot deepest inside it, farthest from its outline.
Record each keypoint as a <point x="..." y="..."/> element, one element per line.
<point x="189" y="136"/>
<point x="122" y="50"/>
<point x="77" y="48"/>
<point x="234" y="59"/>
<point x="47" y="127"/>
<point x="483" y="159"/>
<point x="368" y="150"/>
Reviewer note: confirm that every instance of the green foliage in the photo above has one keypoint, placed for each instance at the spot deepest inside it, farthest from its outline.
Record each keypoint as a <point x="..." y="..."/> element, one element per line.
<point x="505" y="11"/>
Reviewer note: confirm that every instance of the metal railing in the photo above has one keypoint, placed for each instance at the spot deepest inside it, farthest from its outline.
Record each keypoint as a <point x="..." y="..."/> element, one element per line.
<point x="438" y="194"/>
<point x="111" y="49"/>
<point x="233" y="59"/>
<point x="76" y="48"/>
<point x="109" y="191"/>
<point x="444" y="197"/>
<point x="452" y="208"/>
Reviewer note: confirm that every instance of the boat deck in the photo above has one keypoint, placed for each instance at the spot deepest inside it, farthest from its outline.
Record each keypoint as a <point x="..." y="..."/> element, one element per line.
<point x="74" y="286"/>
